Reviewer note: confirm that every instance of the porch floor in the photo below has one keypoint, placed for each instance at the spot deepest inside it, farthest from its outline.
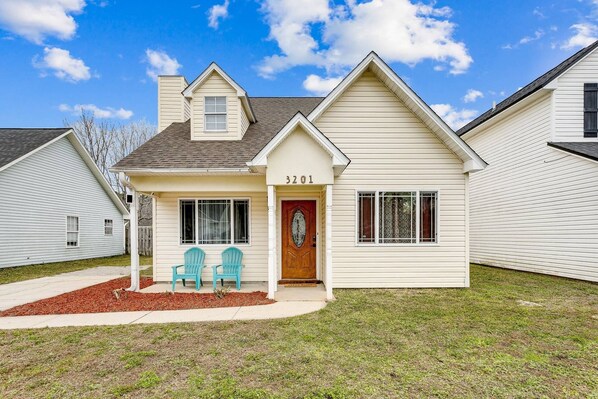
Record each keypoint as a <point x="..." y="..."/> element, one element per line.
<point x="317" y="293"/>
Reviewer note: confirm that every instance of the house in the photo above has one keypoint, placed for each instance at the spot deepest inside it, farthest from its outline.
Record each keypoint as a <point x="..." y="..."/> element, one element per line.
<point x="55" y="205"/>
<point x="534" y="208"/>
<point x="366" y="187"/>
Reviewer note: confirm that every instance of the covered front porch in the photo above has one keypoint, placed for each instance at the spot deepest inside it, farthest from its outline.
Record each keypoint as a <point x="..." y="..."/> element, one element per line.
<point x="277" y="211"/>
<point x="284" y="293"/>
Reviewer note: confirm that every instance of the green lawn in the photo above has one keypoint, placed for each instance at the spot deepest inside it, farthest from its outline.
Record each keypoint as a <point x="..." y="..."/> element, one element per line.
<point x="442" y="343"/>
<point x="20" y="273"/>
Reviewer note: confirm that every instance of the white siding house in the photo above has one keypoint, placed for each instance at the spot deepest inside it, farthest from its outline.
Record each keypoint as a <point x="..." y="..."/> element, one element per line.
<point x="535" y="207"/>
<point x="367" y="187"/>
<point x="54" y="203"/>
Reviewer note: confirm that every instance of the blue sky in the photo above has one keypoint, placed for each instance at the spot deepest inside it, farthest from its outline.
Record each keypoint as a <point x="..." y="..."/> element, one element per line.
<point x="59" y="56"/>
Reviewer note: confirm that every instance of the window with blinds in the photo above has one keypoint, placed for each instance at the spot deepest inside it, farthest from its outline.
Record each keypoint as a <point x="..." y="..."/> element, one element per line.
<point x="215" y="113"/>
<point x="214" y="221"/>
<point x="72" y="231"/>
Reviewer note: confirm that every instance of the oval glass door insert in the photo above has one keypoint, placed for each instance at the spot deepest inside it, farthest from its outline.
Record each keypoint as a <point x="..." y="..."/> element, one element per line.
<point x="298" y="228"/>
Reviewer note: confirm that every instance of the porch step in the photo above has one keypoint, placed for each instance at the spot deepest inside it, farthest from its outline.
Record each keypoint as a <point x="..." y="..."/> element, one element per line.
<point x="299" y="283"/>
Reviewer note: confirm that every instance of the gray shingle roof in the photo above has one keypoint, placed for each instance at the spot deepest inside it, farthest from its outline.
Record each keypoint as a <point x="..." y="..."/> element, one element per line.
<point x="14" y="143"/>
<point x="586" y="150"/>
<point x="529" y="89"/>
<point x="173" y="147"/>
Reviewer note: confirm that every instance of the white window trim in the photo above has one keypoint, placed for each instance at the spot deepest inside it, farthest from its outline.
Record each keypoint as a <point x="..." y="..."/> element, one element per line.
<point x="66" y="229"/>
<point x="205" y="123"/>
<point x="377" y="242"/>
<point x="232" y="223"/>
<point x="111" y="227"/>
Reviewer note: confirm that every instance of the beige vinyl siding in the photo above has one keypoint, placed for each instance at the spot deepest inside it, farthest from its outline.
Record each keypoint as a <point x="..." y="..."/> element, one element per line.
<point x="170" y="252"/>
<point x="172" y="106"/>
<point x="215" y="85"/>
<point x="568" y="106"/>
<point x="391" y="149"/>
<point x="244" y="124"/>
<point x="36" y="196"/>
<point x="534" y="208"/>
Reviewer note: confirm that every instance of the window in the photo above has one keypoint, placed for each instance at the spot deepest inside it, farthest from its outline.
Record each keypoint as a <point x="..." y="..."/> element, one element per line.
<point x="72" y="231"/>
<point x="590" y="110"/>
<point x="397" y="217"/>
<point x="108" y="227"/>
<point x="215" y="113"/>
<point x="214" y="221"/>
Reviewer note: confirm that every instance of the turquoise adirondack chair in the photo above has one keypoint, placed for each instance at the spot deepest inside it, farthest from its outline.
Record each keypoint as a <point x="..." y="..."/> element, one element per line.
<point x="230" y="268"/>
<point x="192" y="268"/>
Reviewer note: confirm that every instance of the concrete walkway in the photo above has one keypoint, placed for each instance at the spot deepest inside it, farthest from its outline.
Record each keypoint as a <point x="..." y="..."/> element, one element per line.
<point x="291" y="301"/>
<point x="22" y="292"/>
<point x="274" y="311"/>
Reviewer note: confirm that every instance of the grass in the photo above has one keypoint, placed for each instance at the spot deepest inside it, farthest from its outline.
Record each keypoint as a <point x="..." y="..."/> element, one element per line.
<point x="21" y="273"/>
<point x="442" y="343"/>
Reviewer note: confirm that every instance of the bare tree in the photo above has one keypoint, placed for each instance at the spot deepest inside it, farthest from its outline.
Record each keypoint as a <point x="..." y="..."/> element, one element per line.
<point x="108" y="142"/>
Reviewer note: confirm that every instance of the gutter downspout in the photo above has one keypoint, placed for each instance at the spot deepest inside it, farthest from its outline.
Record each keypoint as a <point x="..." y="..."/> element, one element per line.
<point x="133" y="233"/>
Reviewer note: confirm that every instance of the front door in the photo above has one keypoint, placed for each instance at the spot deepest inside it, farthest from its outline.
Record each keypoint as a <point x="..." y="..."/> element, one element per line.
<point x="298" y="239"/>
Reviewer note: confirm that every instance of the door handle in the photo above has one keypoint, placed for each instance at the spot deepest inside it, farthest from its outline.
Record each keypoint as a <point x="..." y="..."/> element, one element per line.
<point x="314" y="242"/>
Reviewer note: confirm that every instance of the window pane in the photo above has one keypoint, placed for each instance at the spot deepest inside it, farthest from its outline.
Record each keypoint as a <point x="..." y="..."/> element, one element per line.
<point x="241" y="215"/>
<point x="397" y="217"/>
<point x="216" y="122"/>
<point x="210" y="104"/>
<point x="214" y="222"/>
<point x="187" y="222"/>
<point x="72" y="239"/>
<point x="366" y="217"/>
<point x="221" y="105"/>
<point x="108" y="227"/>
<point x="72" y="223"/>
<point x="427" y="218"/>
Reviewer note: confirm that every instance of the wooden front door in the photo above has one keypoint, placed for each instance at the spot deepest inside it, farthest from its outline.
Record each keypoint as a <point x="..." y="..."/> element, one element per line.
<point x="298" y="239"/>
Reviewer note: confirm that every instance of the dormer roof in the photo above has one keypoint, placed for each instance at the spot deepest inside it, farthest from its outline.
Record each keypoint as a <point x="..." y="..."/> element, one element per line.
<point x="241" y="93"/>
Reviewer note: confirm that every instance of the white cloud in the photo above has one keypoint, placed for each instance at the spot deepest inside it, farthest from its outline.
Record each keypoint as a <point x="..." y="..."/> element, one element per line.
<point x="160" y="63"/>
<point x="398" y="30"/>
<point x="62" y="64"/>
<point x="320" y="86"/>
<point x="538" y="34"/>
<point x="472" y="95"/>
<point x="216" y="13"/>
<point x="585" y="34"/>
<point x="456" y="119"/>
<point x="100" y="113"/>
<point x="37" y="19"/>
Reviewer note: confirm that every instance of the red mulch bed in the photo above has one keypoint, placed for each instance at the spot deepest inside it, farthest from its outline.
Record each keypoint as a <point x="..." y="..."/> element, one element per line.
<point x="100" y="298"/>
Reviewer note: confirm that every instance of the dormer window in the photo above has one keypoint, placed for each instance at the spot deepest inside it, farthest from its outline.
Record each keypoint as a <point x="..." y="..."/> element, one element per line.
<point x="215" y="114"/>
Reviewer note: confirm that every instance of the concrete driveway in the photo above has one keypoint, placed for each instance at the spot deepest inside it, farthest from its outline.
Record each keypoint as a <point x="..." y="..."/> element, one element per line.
<point x="23" y="292"/>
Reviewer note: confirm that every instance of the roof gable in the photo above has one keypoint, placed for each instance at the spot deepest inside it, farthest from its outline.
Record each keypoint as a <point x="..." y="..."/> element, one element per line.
<point x="339" y="160"/>
<point x="18" y="144"/>
<point x="26" y="142"/>
<point x="214" y="68"/>
<point x="531" y="88"/>
<point x="472" y="161"/>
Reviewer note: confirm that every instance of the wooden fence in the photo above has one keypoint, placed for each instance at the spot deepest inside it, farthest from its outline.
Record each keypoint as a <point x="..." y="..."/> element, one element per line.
<point x="144" y="240"/>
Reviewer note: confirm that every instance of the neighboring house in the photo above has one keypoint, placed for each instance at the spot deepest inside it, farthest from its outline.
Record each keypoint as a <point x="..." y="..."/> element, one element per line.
<point x="55" y="205"/>
<point x="367" y="187"/>
<point x="535" y="207"/>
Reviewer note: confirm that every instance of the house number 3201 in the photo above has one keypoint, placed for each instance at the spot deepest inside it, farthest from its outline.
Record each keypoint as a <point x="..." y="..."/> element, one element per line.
<point x="300" y="180"/>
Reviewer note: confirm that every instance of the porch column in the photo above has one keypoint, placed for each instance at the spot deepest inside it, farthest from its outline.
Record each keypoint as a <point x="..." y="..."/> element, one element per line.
<point x="328" y="222"/>
<point x="133" y="231"/>
<point x="271" y="241"/>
